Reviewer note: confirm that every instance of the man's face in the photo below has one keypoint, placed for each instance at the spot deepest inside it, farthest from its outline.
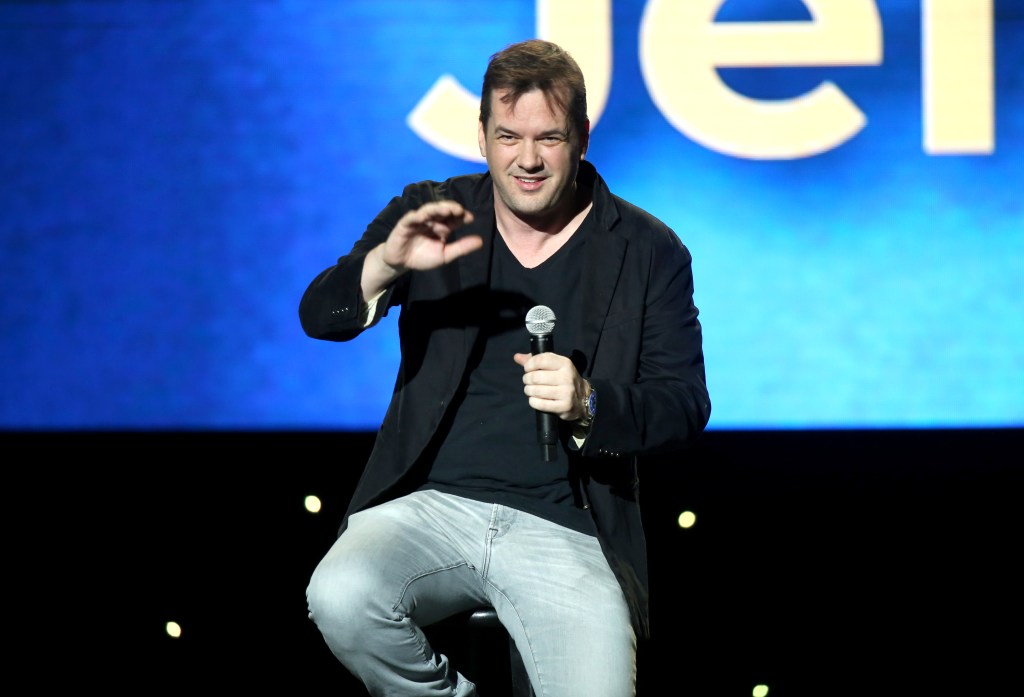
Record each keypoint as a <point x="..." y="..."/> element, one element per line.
<point x="532" y="157"/>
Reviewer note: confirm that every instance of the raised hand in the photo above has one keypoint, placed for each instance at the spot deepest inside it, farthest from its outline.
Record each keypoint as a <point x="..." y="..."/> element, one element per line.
<point x="419" y="241"/>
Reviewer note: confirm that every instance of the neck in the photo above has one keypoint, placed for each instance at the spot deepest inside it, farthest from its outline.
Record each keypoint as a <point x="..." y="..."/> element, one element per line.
<point x="550" y="223"/>
<point x="533" y="241"/>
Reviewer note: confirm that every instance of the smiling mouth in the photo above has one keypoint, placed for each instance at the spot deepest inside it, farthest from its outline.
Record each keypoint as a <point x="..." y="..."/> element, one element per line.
<point x="530" y="183"/>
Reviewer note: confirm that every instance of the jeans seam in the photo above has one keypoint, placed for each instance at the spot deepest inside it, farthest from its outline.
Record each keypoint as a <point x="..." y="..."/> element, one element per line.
<point x="410" y="581"/>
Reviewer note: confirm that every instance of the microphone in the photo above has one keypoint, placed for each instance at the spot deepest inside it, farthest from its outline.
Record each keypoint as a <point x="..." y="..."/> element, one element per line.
<point x="540" y="322"/>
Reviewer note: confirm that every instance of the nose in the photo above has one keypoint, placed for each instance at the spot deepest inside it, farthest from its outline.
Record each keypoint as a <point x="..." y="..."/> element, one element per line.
<point x="529" y="158"/>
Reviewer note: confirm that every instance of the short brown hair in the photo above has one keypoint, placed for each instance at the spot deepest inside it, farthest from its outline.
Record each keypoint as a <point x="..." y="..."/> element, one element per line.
<point x="537" y="64"/>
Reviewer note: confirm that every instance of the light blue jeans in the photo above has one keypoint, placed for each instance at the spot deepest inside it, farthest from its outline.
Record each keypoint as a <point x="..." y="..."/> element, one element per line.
<point x="411" y="562"/>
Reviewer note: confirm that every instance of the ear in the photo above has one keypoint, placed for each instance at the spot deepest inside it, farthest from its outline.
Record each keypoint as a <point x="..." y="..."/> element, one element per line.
<point x="481" y="139"/>
<point x="585" y="139"/>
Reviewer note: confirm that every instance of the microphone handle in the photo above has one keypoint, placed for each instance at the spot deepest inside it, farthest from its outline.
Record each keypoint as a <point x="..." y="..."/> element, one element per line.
<point x="547" y="423"/>
<point x="541" y="343"/>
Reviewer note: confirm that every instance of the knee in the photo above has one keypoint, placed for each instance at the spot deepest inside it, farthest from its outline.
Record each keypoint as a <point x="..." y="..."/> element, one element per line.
<point x="342" y="605"/>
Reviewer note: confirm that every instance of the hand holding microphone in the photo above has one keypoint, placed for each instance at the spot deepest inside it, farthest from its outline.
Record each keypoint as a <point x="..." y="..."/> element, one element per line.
<point x="540" y="323"/>
<point x="555" y="388"/>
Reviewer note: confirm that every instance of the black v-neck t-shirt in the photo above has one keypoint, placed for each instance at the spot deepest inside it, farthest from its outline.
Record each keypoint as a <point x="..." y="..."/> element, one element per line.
<point x="490" y="450"/>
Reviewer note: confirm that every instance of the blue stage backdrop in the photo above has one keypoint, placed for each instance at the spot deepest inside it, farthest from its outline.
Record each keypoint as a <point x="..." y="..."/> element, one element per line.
<point x="846" y="173"/>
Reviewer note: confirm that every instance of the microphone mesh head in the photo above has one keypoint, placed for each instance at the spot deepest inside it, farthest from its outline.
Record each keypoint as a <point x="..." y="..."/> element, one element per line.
<point x="540" y="320"/>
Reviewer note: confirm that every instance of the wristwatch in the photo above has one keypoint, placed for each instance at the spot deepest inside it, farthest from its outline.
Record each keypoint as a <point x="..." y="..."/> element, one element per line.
<point x="589" y="406"/>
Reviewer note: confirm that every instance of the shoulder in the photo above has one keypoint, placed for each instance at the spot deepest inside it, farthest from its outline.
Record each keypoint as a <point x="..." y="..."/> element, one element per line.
<point x="639" y="226"/>
<point x="616" y="214"/>
<point x="636" y="217"/>
<point x="464" y="188"/>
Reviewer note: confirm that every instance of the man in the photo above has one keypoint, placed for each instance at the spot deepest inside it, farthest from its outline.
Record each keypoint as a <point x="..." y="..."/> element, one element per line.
<point x="459" y="506"/>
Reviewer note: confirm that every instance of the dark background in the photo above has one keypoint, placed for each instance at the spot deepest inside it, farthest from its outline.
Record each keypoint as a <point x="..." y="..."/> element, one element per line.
<point x="822" y="562"/>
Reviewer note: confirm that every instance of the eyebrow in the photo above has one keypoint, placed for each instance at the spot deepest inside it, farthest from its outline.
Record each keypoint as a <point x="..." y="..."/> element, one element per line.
<point x="550" y="132"/>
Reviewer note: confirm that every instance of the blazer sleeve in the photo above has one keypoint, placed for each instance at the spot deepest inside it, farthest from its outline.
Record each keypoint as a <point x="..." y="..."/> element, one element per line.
<point x="332" y="306"/>
<point x="649" y="373"/>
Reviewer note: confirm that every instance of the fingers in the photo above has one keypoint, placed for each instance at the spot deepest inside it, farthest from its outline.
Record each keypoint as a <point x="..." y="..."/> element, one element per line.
<point x="544" y="362"/>
<point x="439" y="217"/>
<point x="420" y="239"/>
<point x="461" y="248"/>
<point x="550" y="383"/>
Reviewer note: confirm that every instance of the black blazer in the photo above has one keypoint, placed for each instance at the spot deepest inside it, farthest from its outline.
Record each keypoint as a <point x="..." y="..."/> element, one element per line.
<point x="641" y="339"/>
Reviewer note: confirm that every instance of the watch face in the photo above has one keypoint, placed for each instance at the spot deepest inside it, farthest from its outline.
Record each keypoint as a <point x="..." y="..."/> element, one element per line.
<point x="592" y="404"/>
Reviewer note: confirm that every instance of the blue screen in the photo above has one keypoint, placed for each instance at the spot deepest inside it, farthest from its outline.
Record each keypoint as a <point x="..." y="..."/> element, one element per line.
<point x="175" y="174"/>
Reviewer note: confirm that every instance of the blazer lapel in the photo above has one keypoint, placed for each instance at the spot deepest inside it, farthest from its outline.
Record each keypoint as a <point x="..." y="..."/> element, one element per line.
<point x="604" y="256"/>
<point x="473" y="270"/>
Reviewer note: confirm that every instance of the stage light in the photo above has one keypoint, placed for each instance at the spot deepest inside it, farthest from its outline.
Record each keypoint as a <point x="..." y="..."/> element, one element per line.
<point x="760" y="691"/>
<point x="313" y="504"/>
<point x="687" y="519"/>
<point x="173" y="630"/>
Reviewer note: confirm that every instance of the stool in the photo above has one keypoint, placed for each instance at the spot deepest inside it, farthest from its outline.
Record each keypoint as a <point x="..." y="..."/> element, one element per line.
<point x="486" y="618"/>
<point x="480" y="639"/>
